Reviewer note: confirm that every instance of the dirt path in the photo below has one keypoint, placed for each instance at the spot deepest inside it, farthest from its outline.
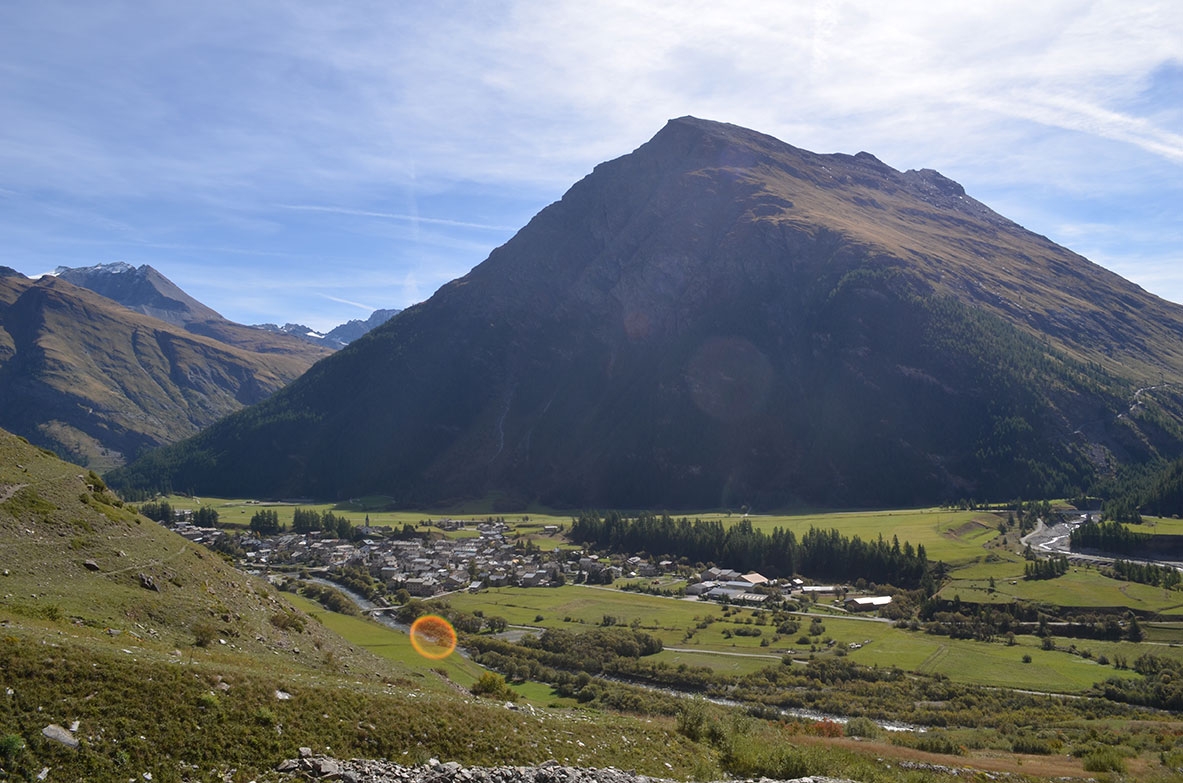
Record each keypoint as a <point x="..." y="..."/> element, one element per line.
<point x="722" y="652"/>
<point x="158" y="561"/>
<point x="6" y="493"/>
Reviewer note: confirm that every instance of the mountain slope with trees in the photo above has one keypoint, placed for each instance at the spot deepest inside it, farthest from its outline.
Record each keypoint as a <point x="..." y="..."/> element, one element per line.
<point x="718" y="319"/>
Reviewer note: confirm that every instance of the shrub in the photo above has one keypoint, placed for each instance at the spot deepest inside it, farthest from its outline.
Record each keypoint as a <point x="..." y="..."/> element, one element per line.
<point x="265" y="716"/>
<point x="10" y="746"/>
<point x="929" y="743"/>
<point x="862" y="727"/>
<point x="1033" y="745"/>
<point x="206" y="633"/>
<point x="288" y="621"/>
<point x="1104" y="760"/>
<point x="494" y="686"/>
<point x="692" y="719"/>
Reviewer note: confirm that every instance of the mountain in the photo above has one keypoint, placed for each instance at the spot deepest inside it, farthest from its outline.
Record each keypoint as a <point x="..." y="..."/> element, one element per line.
<point x="145" y="290"/>
<point x="94" y="380"/>
<point x="339" y="336"/>
<point x="720" y="319"/>
<point x="351" y="330"/>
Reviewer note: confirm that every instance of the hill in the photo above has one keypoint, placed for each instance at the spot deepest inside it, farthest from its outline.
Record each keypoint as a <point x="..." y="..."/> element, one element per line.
<point x="92" y="379"/>
<point x="129" y="652"/>
<point x="720" y="319"/>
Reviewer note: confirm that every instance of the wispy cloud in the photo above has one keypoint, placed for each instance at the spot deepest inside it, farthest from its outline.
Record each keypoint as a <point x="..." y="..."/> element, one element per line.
<point x="358" y="305"/>
<point x="394" y="216"/>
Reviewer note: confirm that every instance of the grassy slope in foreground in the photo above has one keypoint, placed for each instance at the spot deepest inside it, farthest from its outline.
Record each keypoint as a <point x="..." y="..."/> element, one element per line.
<point x="96" y="648"/>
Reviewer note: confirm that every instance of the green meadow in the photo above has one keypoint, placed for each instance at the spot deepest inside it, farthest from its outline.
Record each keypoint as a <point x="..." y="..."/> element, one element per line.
<point x="387" y="642"/>
<point x="1081" y="587"/>
<point x="1161" y="526"/>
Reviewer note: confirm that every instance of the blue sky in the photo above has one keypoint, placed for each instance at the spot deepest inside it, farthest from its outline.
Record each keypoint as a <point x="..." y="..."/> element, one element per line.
<point x="311" y="161"/>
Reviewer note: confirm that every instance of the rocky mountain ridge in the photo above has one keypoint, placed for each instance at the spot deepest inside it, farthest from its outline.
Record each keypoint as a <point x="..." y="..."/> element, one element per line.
<point x="339" y="336"/>
<point x="145" y="290"/>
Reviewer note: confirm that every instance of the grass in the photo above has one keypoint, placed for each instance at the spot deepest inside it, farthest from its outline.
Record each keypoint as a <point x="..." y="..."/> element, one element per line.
<point x="1159" y="526"/>
<point x="388" y="643"/>
<point x="584" y="605"/>
<point x="227" y="717"/>
<point x="881" y="644"/>
<point x="1081" y="587"/>
<point x="992" y="664"/>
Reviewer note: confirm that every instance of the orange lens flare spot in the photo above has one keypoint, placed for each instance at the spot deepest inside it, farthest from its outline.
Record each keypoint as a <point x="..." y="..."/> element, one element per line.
<point x="433" y="637"/>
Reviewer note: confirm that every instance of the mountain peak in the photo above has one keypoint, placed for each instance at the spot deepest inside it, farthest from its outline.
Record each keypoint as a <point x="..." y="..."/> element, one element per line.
<point x="142" y="289"/>
<point x="112" y="268"/>
<point x="718" y="318"/>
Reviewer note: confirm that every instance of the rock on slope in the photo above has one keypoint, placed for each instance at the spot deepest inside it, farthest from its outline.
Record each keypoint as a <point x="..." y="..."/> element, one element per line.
<point x="372" y="771"/>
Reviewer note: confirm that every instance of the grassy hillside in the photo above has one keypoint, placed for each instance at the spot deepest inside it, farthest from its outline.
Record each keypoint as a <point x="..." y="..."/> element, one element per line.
<point x="190" y="680"/>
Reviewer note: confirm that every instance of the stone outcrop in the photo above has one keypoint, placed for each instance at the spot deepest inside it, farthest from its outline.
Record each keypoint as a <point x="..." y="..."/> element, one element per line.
<point x="310" y="766"/>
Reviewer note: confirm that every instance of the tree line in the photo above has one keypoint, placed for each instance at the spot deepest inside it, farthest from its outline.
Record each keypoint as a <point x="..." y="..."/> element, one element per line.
<point x="1145" y="573"/>
<point x="822" y="554"/>
<point x="1108" y="536"/>
<point x="1045" y="568"/>
<point x="162" y="511"/>
<point x="266" y="522"/>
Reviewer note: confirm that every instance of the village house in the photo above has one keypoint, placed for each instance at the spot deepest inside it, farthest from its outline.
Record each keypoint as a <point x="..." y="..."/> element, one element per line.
<point x="867" y="603"/>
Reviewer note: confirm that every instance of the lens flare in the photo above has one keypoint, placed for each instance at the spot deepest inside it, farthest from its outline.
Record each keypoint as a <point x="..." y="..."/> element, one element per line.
<point x="433" y="637"/>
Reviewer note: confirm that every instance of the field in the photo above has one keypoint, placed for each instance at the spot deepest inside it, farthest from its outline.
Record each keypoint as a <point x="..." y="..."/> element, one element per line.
<point x="952" y="536"/>
<point x="985" y="567"/>
<point x="1081" y="587"/>
<point x="718" y="646"/>
<point x="388" y="643"/>
<point x="1162" y="526"/>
